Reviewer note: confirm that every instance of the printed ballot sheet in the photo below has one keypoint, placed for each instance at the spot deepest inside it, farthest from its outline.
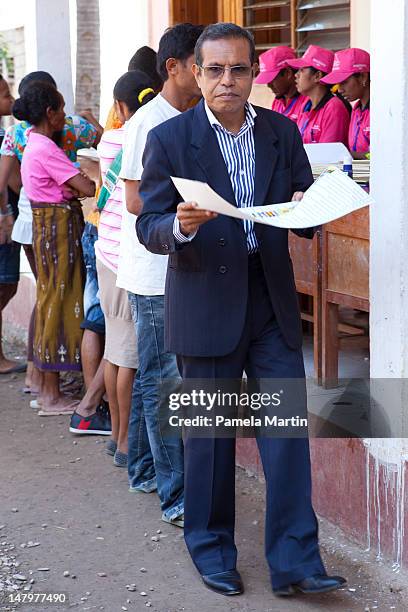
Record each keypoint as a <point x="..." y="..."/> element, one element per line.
<point x="333" y="195"/>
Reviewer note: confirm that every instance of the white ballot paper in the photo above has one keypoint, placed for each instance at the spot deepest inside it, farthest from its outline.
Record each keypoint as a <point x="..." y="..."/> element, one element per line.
<point x="333" y="195"/>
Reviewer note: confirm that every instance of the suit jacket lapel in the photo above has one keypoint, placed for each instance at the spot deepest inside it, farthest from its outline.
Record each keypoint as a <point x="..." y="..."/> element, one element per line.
<point x="208" y="155"/>
<point x="266" y="156"/>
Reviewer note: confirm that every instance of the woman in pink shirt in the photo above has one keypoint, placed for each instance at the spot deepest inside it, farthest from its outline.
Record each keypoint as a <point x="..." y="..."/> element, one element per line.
<point x="53" y="185"/>
<point x="324" y="117"/>
<point x="275" y="73"/>
<point x="131" y="91"/>
<point x="351" y="69"/>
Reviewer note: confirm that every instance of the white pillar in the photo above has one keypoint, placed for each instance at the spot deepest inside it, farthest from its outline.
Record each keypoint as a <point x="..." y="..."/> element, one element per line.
<point x="389" y="186"/>
<point x="47" y="42"/>
<point x="389" y="214"/>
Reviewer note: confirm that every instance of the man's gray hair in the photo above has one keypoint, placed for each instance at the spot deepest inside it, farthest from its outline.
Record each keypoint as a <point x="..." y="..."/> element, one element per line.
<point x="218" y="31"/>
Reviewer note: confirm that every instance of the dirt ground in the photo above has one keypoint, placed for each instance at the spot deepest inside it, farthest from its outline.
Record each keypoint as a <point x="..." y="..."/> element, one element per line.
<point x="68" y="525"/>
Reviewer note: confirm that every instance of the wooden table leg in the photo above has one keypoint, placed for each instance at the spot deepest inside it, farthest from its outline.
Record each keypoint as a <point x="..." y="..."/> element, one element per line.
<point x="330" y="343"/>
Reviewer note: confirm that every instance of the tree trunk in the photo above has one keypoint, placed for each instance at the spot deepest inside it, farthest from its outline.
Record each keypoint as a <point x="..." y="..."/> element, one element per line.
<point x="88" y="68"/>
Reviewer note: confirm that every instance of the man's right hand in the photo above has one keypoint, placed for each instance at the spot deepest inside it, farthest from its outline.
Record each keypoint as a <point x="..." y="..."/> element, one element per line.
<point x="190" y="217"/>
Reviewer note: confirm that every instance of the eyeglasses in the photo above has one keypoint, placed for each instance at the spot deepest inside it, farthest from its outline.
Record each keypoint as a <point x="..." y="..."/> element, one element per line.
<point x="216" y="73"/>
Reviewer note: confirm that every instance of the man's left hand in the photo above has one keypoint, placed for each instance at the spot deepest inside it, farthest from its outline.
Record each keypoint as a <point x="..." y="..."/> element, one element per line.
<point x="298" y="196"/>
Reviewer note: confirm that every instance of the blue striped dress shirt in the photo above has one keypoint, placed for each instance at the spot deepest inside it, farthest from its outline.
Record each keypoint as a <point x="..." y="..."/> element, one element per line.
<point x="238" y="151"/>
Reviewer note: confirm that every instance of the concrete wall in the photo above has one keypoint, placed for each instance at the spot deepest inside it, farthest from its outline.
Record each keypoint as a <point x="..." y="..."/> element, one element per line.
<point x="360" y="23"/>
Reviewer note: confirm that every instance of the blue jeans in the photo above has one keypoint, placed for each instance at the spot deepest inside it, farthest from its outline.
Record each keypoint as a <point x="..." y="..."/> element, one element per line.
<point x="93" y="315"/>
<point x="150" y="455"/>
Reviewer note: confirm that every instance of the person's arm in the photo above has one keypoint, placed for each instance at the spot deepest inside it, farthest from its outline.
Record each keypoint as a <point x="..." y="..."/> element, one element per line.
<point x="154" y="225"/>
<point x="82" y="184"/>
<point x="163" y="217"/>
<point x="6" y="170"/>
<point x="88" y="116"/>
<point x="64" y="172"/>
<point x="134" y="202"/>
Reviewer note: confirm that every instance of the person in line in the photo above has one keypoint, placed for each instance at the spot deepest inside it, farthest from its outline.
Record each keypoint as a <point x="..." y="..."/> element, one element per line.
<point x="130" y="93"/>
<point x="231" y="304"/>
<point x="77" y="133"/>
<point x="143" y="275"/>
<point x="91" y="414"/>
<point x="351" y="71"/>
<point x="53" y="184"/>
<point x="325" y="117"/>
<point x="9" y="250"/>
<point x="145" y="59"/>
<point x="280" y="78"/>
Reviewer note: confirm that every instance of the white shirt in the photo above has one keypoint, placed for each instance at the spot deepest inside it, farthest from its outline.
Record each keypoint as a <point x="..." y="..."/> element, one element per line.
<point x="140" y="271"/>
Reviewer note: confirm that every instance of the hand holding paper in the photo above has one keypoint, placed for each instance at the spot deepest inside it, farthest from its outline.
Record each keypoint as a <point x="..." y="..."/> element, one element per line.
<point x="332" y="196"/>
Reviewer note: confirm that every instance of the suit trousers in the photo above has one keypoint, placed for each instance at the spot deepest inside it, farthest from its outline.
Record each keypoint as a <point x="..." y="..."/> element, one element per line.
<point x="291" y="530"/>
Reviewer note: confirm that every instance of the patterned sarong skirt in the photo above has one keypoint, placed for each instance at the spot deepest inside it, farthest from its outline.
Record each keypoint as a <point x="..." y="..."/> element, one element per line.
<point x="57" y="231"/>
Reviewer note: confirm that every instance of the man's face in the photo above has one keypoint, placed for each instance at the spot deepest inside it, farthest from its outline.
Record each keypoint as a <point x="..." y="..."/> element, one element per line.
<point x="225" y="93"/>
<point x="283" y="83"/>
<point x="6" y="99"/>
<point x="184" y="77"/>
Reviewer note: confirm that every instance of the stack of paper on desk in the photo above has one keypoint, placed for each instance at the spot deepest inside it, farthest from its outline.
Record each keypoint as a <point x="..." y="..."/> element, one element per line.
<point x="332" y="196"/>
<point x="361" y="170"/>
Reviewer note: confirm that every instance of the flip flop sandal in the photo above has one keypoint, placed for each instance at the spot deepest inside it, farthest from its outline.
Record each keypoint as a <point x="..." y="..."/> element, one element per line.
<point x="28" y="391"/>
<point x="17" y="369"/>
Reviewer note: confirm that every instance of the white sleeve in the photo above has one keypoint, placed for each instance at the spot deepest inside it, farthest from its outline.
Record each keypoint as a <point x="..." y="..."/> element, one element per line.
<point x="135" y="141"/>
<point x="179" y="236"/>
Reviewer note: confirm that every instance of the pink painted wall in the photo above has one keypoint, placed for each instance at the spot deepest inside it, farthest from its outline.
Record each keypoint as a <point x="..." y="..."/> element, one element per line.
<point x="159" y="20"/>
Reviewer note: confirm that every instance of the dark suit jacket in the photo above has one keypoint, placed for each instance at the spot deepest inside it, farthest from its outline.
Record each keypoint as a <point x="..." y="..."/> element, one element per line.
<point x="207" y="279"/>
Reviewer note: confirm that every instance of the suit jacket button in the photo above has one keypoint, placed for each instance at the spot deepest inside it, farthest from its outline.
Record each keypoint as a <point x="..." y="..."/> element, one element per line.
<point x="222" y="269"/>
<point x="165" y="247"/>
<point x="221" y="242"/>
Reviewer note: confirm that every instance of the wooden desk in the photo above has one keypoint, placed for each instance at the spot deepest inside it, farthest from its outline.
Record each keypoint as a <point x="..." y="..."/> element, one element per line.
<point x="345" y="281"/>
<point x="306" y="258"/>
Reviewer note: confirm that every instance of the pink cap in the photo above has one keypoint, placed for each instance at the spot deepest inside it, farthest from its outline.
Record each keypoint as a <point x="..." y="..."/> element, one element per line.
<point x="271" y="63"/>
<point x="346" y="63"/>
<point x="314" y="57"/>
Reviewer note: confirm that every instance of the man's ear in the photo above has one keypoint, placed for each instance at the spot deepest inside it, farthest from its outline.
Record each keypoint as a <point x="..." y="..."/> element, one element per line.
<point x="255" y="69"/>
<point x="172" y="66"/>
<point x="197" y="73"/>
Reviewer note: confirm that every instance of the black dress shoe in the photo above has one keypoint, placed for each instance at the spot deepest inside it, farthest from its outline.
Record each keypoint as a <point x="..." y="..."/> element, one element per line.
<point x="225" y="583"/>
<point x="313" y="584"/>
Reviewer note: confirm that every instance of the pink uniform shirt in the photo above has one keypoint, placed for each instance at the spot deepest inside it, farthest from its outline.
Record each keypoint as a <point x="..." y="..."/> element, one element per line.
<point x="329" y="122"/>
<point x="44" y="170"/>
<point x="292" y="109"/>
<point x="359" y="132"/>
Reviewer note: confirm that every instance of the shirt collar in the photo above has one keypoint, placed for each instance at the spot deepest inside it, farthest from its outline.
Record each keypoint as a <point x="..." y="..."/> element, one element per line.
<point x="358" y="105"/>
<point x="250" y="115"/>
<point x="326" y="98"/>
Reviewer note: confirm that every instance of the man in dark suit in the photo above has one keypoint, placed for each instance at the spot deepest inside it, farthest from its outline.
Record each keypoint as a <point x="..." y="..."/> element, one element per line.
<point x="231" y="303"/>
